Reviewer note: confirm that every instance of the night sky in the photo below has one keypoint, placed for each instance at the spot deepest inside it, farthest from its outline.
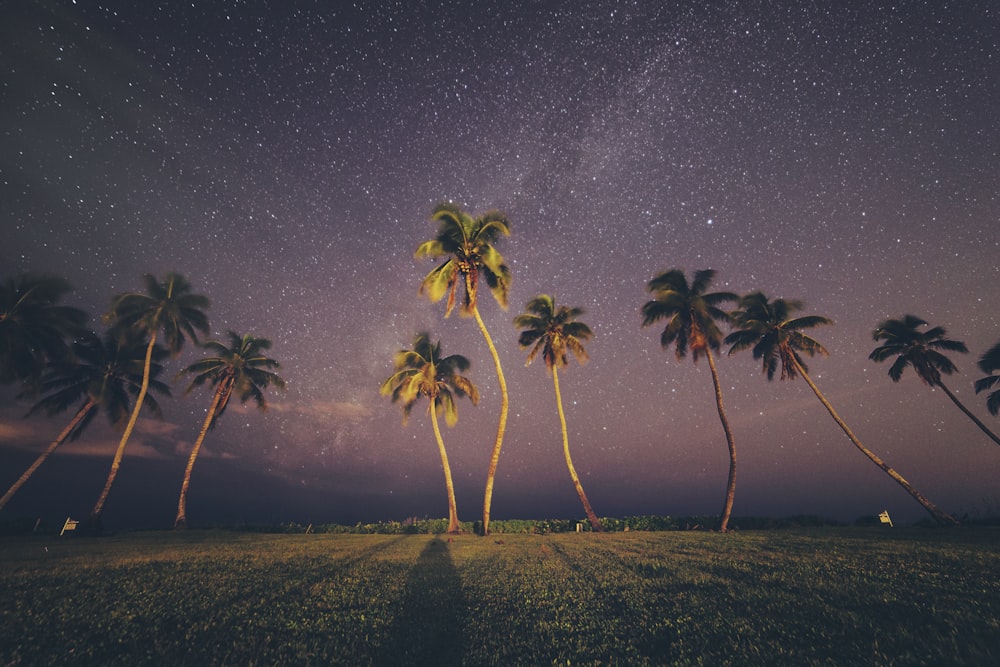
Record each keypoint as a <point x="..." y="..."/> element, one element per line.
<point x="285" y="158"/>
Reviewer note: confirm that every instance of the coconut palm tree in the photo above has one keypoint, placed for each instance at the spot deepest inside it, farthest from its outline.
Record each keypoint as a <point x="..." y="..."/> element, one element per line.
<point x="101" y="374"/>
<point x="34" y="328"/>
<point x="921" y="350"/>
<point x="422" y="371"/>
<point x="692" y="317"/>
<point x="555" y="333"/>
<point x="989" y="363"/>
<point x="468" y="242"/>
<point x="238" y="368"/>
<point x="766" y="328"/>
<point x="167" y="307"/>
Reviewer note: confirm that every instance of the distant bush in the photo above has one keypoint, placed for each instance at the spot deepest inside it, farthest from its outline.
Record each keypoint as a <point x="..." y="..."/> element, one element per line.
<point x="648" y="523"/>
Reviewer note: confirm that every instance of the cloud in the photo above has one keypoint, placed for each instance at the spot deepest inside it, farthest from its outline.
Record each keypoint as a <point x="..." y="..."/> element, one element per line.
<point x="336" y="411"/>
<point x="155" y="427"/>
<point x="17" y="433"/>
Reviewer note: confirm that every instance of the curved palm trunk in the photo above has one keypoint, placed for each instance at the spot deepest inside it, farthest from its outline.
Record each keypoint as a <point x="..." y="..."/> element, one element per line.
<point x="495" y="457"/>
<point x="975" y="420"/>
<point x="453" y="525"/>
<point x="595" y="523"/>
<point x="80" y="414"/>
<point x="181" y="520"/>
<point x="939" y="515"/>
<point x="727" y="506"/>
<point x="95" y="514"/>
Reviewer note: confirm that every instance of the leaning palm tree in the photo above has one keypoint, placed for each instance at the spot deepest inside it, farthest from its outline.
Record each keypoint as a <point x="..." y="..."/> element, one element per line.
<point x="101" y="374"/>
<point x="422" y="371"/>
<point x="766" y="328"/>
<point x="692" y="317"/>
<point x="555" y="333"/>
<point x="467" y="242"/>
<point x="167" y="306"/>
<point x="989" y="363"/>
<point x="34" y="328"/>
<point x="239" y="368"/>
<point x="922" y="350"/>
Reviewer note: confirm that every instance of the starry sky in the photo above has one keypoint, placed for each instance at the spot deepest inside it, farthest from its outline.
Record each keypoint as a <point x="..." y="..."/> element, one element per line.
<point x="285" y="158"/>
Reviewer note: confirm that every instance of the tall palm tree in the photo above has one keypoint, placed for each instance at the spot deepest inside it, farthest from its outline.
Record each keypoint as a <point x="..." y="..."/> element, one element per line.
<point x="102" y="374"/>
<point x="555" y="333"/>
<point x="921" y="349"/>
<point x="692" y="317"/>
<point x="467" y="242"/>
<point x="766" y="327"/>
<point x="169" y="307"/>
<point x="422" y="371"/>
<point x="34" y="328"/>
<point x="989" y="363"/>
<point x="238" y="368"/>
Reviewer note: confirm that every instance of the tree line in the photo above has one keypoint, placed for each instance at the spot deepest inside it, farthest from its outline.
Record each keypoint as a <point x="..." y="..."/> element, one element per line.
<point x="46" y="348"/>
<point x="693" y="317"/>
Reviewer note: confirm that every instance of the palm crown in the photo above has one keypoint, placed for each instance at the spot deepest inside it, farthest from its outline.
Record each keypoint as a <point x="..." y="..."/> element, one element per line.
<point x="422" y="371"/>
<point x="103" y="372"/>
<point x="33" y="327"/>
<point x="170" y="306"/>
<point x="775" y="338"/>
<point x="238" y="368"/>
<point x="912" y="347"/>
<point x="468" y="244"/>
<point x="552" y="331"/>
<point x="691" y="314"/>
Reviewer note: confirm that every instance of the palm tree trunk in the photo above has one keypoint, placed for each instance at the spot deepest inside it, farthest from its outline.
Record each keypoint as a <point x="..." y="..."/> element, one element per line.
<point x="498" y="443"/>
<point x="968" y="414"/>
<point x="595" y="523"/>
<point x="939" y="515"/>
<point x="95" y="514"/>
<point x="727" y="506"/>
<point x="453" y="525"/>
<point x="80" y="414"/>
<point x="181" y="520"/>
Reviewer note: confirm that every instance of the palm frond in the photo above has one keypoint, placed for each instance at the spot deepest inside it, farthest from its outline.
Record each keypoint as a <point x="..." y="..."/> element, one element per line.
<point x="807" y="322"/>
<point x="990" y="361"/>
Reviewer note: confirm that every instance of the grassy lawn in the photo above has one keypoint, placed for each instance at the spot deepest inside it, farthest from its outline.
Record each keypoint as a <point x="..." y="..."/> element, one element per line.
<point x="831" y="596"/>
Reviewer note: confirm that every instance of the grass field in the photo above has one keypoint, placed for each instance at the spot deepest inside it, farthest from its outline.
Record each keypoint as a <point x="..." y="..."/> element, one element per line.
<point x="831" y="596"/>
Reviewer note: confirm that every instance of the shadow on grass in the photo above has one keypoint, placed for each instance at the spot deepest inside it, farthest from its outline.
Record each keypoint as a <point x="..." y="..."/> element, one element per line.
<point x="428" y="628"/>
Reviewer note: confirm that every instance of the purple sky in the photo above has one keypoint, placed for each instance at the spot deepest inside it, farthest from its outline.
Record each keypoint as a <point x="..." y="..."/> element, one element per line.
<point x="285" y="158"/>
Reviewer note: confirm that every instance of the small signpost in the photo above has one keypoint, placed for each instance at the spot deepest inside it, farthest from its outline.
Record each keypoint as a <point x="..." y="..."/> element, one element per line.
<point x="884" y="518"/>
<point x="70" y="524"/>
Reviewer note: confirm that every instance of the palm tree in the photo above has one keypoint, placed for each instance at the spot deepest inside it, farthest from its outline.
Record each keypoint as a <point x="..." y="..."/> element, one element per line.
<point x="555" y="333"/>
<point x="467" y="242"/>
<point x="169" y="307"/>
<point x="34" y="329"/>
<point x="766" y="328"/>
<point x="989" y="363"/>
<point x="422" y="371"/>
<point x="102" y="374"/>
<point x="239" y="368"/>
<point x="920" y="349"/>
<point x="691" y="316"/>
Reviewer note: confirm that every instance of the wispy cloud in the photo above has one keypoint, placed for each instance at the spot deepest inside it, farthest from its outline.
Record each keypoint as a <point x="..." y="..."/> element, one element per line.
<point x="336" y="411"/>
<point x="18" y="432"/>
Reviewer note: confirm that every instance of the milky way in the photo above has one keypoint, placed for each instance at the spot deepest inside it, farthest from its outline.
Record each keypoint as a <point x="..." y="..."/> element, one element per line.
<point x="285" y="158"/>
